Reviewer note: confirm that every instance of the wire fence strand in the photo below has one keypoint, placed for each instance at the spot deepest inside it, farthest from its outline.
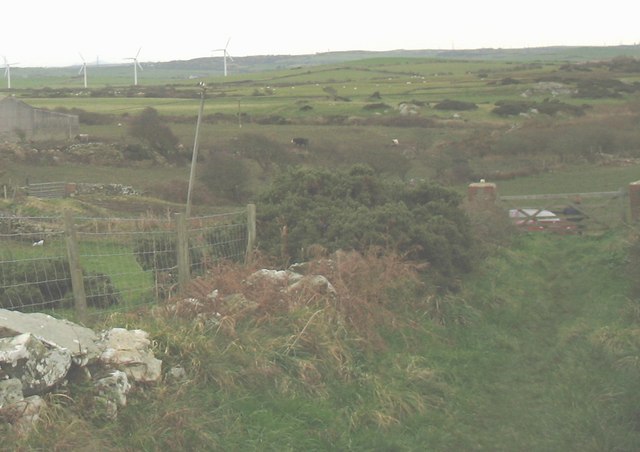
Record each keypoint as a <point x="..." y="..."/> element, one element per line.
<point x="126" y="262"/>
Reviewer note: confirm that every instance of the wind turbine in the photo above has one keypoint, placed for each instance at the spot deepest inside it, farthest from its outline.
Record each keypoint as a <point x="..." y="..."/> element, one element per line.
<point x="136" y="65"/>
<point x="225" y="54"/>
<point x="83" y="70"/>
<point x="7" y="71"/>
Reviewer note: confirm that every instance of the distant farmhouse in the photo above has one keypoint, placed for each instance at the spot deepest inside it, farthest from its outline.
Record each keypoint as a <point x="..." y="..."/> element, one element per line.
<point x="19" y="120"/>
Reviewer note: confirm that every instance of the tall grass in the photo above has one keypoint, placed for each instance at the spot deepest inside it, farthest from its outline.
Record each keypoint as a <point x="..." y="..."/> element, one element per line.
<point x="530" y="355"/>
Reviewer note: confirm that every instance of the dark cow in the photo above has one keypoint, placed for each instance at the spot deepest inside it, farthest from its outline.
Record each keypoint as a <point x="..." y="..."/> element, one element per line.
<point x="300" y="142"/>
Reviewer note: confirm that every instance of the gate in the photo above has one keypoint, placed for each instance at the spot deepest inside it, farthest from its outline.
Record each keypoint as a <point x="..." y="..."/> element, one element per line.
<point x="47" y="190"/>
<point x="568" y="211"/>
<point x="560" y="212"/>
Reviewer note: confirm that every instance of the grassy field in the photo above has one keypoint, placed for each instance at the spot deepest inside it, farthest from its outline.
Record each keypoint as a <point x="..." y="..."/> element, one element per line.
<point x="394" y="80"/>
<point x="328" y="104"/>
<point x="536" y="351"/>
<point x="530" y="355"/>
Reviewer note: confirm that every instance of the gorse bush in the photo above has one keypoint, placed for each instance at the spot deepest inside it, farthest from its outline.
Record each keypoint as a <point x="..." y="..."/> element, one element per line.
<point x="356" y="209"/>
<point x="448" y="104"/>
<point x="226" y="175"/>
<point x="149" y="127"/>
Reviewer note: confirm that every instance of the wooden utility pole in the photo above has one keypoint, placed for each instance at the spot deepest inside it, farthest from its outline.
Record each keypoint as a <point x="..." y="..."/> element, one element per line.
<point x="194" y="157"/>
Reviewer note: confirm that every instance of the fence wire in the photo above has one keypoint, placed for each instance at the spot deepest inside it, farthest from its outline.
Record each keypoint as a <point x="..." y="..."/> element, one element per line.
<point x="33" y="263"/>
<point x="125" y="262"/>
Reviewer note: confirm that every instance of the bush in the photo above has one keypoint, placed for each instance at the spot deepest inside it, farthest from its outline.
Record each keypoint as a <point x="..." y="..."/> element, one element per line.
<point x="603" y="89"/>
<point x="137" y="152"/>
<point x="259" y="148"/>
<point x="88" y="117"/>
<point x="227" y="176"/>
<point x="355" y="209"/>
<point x="377" y="106"/>
<point x="455" y="105"/>
<point x="149" y="128"/>
<point x="512" y="108"/>
<point x="46" y="284"/>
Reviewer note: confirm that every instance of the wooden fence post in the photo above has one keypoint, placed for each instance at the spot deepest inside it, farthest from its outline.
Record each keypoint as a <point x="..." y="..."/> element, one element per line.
<point x="184" y="271"/>
<point x="251" y="232"/>
<point x="77" y="279"/>
<point x="634" y="200"/>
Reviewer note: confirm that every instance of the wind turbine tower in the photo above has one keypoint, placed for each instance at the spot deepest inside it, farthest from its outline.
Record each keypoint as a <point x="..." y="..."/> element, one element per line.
<point x="136" y="65"/>
<point x="225" y="55"/>
<point x="83" y="70"/>
<point x="7" y="71"/>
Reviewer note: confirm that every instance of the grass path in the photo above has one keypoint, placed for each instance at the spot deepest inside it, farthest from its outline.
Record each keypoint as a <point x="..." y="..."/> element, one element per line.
<point x="533" y="375"/>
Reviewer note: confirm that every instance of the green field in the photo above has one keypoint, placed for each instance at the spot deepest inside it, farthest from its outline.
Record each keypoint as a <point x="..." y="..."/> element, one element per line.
<point x="530" y="355"/>
<point x="536" y="349"/>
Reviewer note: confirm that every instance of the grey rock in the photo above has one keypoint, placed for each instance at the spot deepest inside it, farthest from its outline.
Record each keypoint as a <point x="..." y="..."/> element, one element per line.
<point x="10" y="391"/>
<point x="37" y="364"/>
<point x="130" y="351"/>
<point x="80" y="341"/>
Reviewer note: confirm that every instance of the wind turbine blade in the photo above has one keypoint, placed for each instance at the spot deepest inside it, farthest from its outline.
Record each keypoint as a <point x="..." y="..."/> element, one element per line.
<point x="138" y="52"/>
<point x="227" y="44"/>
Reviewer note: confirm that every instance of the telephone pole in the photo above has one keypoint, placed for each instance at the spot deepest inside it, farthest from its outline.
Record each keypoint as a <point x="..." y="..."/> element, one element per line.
<point x="194" y="156"/>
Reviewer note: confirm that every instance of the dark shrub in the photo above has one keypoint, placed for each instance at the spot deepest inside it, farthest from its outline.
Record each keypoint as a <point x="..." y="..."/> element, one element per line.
<point x="512" y="108"/>
<point x="149" y="127"/>
<point x="100" y="291"/>
<point x="377" y="106"/>
<point x="509" y="81"/>
<point x="46" y="284"/>
<point x="455" y="105"/>
<point x="226" y="176"/>
<point x="357" y="209"/>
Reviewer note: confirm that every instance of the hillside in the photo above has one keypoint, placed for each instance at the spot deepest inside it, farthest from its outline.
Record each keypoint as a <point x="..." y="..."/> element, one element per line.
<point x="535" y="349"/>
<point x="213" y="66"/>
<point x="530" y="355"/>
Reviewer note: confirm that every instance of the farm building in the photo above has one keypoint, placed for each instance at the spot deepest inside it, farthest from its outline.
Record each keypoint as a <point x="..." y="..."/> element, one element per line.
<point x="19" y="120"/>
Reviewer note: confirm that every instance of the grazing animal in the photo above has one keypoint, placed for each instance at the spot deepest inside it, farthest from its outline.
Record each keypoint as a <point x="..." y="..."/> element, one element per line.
<point x="300" y="142"/>
<point x="38" y="243"/>
<point x="395" y="142"/>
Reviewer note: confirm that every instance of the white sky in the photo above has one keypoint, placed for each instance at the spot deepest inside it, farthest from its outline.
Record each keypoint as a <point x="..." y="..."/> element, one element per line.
<point x="55" y="32"/>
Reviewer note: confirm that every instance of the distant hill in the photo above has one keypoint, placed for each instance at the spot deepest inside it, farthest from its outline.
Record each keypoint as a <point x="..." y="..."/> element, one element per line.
<point x="213" y="66"/>
<point x="270" y="62"/>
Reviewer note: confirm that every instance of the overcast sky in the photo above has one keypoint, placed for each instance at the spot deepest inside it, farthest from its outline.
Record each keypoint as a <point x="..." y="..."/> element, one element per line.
<point x="55" y="32"/>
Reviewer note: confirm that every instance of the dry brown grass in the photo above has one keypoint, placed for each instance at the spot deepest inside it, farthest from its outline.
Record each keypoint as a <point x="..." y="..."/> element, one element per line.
<point x="364" y="299"/>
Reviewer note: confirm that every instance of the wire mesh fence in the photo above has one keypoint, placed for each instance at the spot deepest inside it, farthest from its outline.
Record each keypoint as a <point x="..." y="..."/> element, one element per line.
<point x="124" y="262"/>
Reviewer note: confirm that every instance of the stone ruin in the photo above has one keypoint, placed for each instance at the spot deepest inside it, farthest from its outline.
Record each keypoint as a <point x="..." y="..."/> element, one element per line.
<point x="40" y="354"/>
